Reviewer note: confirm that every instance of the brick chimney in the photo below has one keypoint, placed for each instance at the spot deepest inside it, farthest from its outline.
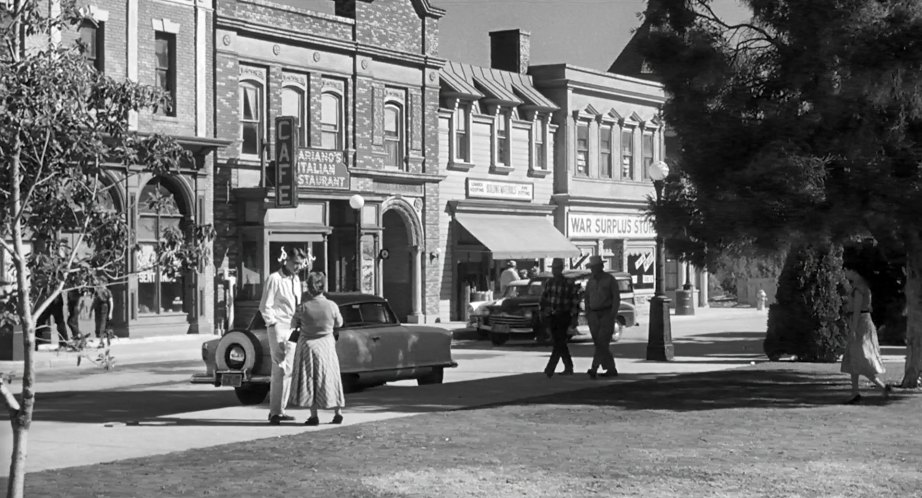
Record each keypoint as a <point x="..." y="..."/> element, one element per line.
<point x="510" y="50"/>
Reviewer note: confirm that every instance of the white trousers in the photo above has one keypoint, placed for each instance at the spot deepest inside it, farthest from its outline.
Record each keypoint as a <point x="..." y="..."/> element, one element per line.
<point x="283" y="355"/>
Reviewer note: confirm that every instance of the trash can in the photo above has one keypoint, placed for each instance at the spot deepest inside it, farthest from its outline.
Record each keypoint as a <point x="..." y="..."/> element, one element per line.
<point x="684" y="304"/>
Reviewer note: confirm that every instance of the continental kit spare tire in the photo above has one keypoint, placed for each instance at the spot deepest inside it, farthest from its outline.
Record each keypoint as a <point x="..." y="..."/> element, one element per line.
<point x="238" y="350"/>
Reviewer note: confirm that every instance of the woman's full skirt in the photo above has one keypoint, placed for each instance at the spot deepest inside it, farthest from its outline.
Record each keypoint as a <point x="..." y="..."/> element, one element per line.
<point x="862" y="353"/>
<point x="316" y="382"/>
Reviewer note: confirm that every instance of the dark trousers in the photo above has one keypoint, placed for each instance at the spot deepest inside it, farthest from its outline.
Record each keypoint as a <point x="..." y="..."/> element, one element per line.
<point x="559" y="324"/>
<point x="73" y="320"/>
<point x="102" y="319"/>
<point x="43" y="332"/>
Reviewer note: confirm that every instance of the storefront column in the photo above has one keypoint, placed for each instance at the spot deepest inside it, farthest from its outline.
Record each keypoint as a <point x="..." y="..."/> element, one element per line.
<point x="417" y="285"/>
<point x="702" y="289"/>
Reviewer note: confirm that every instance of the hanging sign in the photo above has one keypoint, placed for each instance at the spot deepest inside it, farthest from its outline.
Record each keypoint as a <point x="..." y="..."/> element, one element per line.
<point x="321" y="168"/>
<point x="286" y="162"/>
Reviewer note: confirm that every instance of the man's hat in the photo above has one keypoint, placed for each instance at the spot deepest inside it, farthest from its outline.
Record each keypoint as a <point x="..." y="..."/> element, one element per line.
<point x="297" y="254"/>
<point x="595" y="261"/>
<point x="510" y="263"/>
<point x="558" y="262"/>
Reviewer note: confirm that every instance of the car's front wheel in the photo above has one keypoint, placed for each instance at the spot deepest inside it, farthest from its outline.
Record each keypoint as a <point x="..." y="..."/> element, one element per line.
<point x="498" y="339"/>
<point x="351" y="383"/>
<point x="434" y="377"/>
<point x="251" y="394"/>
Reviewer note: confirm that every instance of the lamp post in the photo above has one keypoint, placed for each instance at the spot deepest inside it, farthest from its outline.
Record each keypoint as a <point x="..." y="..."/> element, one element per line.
<point x="659" y="341"/>
<point x="356" y="202"/>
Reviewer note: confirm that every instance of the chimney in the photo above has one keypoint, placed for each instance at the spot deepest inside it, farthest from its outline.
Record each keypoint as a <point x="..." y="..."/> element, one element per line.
<point x="510" y="50"/>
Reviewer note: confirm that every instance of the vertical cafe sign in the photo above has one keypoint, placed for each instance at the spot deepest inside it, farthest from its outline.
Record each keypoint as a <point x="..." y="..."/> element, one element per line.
<point x="286" y="164"/>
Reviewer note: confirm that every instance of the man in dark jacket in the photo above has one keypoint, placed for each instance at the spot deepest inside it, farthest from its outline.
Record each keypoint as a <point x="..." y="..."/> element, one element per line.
<point x="559" y="308"/>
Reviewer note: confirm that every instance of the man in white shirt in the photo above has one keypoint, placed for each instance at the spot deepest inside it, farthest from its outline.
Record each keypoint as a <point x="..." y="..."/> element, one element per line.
<point x="507" y="276"/>
<point x="281" y="297"/>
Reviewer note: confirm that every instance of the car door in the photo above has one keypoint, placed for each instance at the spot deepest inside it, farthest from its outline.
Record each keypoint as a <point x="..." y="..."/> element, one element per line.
<point x="353" y="346"/>
<point x="388" y="341"/>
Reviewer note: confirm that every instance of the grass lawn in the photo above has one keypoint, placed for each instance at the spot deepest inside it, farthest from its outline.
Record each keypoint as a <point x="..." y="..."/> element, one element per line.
<point x="769" y="430"/>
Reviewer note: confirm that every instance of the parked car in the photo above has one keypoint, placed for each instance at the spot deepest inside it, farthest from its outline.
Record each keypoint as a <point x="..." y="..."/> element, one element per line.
<point x="372" y="345"/>
<point x="519" y="318"/>
<point x="479" y="310"/>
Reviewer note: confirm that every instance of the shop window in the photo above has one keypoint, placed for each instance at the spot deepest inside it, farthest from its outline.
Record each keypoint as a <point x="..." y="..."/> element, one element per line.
<point x="293" y="105"/>
<point x="582" y="148"/>
<point x="605" y="166"/>
<point x="502" y="139"/>
<point x="627" y="154"/>
<point x="461" y="133"/>
<point x="394" y="134"/>
<point x="161" y="209"/>
<point x="250" y="280"/>
<point x="92" y="36"/>
<point x="331" y="119"/>
<point x="165" y="68"/>
<point x="251" y="118"/>
<point x="278" y="252"/>
<point x="646" y="151"/>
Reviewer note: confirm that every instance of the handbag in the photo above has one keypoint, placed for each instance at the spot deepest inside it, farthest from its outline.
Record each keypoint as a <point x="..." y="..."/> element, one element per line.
<point x="295" y="335"/>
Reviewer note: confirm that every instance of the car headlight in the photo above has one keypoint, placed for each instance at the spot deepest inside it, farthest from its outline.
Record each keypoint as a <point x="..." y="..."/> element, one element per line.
<point x="236" y="356"/>
<point x="527" y="315"/>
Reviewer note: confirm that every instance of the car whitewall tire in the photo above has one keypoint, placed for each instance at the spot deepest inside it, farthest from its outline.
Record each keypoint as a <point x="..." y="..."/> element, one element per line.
<point x="250" y="346"/>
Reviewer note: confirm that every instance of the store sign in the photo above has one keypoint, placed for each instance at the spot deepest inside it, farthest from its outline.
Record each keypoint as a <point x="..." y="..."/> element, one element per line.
<point x="609" y="226"/>
<point x="321" y="168"/>
<point x="286" y="143"/>
<point x="485" y="189"/>
<point x="641" y="266"/>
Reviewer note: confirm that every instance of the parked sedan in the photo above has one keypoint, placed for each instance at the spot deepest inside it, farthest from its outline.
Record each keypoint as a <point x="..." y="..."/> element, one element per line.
<point x="372" y="345"/>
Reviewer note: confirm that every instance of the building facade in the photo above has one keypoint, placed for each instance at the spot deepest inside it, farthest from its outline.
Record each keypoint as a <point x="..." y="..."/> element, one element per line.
<point x="496" y="151"/>
<point x="166" y="45"/>
<point x="608" y="132"/>
<point x="362" y="85"/>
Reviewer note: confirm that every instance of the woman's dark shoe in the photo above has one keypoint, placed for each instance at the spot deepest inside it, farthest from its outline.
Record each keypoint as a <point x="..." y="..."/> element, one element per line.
<point x="549" y="373"/>
<point x="854" y="400"/>
<point x="337" y="419"/>
<point x="275" y="420"/>
<point x="591" y="373"/>
<point x="312" y="421"/>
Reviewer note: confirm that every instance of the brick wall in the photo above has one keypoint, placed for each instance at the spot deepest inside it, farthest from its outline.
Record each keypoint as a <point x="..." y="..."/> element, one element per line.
<point x="389" y="23"/>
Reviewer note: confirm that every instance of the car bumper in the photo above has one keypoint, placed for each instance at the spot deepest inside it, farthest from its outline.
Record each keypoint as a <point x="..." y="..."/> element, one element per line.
<point x="229" y="378"/>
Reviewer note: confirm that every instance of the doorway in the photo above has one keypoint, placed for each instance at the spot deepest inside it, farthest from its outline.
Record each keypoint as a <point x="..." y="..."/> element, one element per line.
<point x="397" y="268"/>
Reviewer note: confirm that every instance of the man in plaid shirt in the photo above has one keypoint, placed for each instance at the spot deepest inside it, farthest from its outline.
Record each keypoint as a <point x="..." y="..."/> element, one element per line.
<point x="559" y="308"/>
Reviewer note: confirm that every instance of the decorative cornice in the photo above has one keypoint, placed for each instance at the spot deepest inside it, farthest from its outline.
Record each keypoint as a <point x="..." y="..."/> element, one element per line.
<point x="410" y="178"/>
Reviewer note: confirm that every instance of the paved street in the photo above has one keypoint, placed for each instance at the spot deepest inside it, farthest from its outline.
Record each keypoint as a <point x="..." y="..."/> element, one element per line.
<point x="87" y="415"/>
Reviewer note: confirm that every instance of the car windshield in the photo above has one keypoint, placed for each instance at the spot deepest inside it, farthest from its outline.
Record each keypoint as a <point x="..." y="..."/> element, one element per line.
<point x="361" y="314"/>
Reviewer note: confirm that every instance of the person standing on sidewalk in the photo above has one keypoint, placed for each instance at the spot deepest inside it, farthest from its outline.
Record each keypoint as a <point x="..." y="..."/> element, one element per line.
<point x="602" y="301"/>
<point x="559" y="306"/>
<point x="862" y="352"/>
<point x="507" y="276"/>
<point x="102" y="308"/>
<point x="281" y="297"/>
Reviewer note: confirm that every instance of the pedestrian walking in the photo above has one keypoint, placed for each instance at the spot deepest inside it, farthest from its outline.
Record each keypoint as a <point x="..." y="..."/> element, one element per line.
<point x="102" y="309"/>
<point x="559" y="307"/>
<point x="602" y="300"/>
<point x="862" y="351"/>
<point x="74" y="303"/>
<point x="54" y="310"/>
<point x="280" y="299"/>
<point x="316" y="381"/>
<point x="507" y="276"/>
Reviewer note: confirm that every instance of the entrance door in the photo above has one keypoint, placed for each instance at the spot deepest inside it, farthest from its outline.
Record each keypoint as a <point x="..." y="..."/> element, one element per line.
<point x="397" y="268"/>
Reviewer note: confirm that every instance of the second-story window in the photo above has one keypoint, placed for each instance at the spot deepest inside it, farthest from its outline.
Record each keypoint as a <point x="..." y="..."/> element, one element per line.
<point x="331" y="121"/>
<point x="165" y="51"/>
<point x="461" y="135"/>
<point x="92" y="35"/>
<point x="293" y="105"/>
<point x="605" y="167"/>
<point x="540" y="151"/>
<point x="393" y="134"/>
<point x="251" y="118"/>
<point x="627" y="154"/>
<point x="502" y="139"/>
<point x="582" y="148"/>
<point x="647" y="152"/>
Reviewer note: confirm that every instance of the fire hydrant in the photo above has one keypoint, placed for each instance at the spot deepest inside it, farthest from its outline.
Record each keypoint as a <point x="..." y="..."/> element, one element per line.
<point x="760" y="300"/>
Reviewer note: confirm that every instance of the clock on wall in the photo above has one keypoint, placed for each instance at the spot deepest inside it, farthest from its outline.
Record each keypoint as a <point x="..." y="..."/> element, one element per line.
<point x="384" y="254"/>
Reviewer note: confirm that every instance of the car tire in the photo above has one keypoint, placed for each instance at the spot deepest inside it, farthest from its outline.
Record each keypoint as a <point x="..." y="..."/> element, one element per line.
<point x="498" y="339"/>
<point x="351" y="383"/>
<point x="251" y="394"/>
<point x="247" y="341"/>
<point x="619" y="329"/>
<point x="434" y="377"/>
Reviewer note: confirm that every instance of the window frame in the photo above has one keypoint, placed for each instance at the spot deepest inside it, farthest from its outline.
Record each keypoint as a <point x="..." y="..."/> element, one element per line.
<point x="98" y="28"/>
<point x="582" y="124"/>
<point x="400" y="140"/>
<point x="644" y="158"/>
<point x="337" y="130"/>
<point x="461" y="138"/>
<point x="606" y="166"/>
<point x="260" y="120"/>
<point x="539" y="139"/>
<point x="169" y="70"/>
<point x="503" y="146"/>
<point x="628" y="173"/>
<point x="183" y="217"/>
<point x="302" y="107"/>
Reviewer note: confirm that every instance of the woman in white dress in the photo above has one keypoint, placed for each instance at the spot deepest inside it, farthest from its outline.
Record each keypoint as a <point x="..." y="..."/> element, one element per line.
<point x="862" y="352"/>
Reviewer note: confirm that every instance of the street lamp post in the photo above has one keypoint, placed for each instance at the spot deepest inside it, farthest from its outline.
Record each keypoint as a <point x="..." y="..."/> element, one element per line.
<point x="356" y="202"/>
<point x="659" y="341"/>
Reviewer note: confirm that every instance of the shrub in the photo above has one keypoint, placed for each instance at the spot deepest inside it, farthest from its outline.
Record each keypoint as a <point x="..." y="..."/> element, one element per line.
<point x="807" y="319"/>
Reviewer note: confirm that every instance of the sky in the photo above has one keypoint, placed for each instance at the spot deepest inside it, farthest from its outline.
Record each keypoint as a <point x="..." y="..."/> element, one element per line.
<point x="586" y="33"/>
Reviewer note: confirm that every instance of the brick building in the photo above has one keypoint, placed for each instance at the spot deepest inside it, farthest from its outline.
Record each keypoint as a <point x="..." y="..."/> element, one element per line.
<point x="497" y="152"/>
<point x="362" y="84"/>
<point x="165" y="44"/>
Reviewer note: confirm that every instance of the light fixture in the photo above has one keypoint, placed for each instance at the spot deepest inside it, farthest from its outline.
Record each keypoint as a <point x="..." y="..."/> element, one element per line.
<point x="433" y="255"/>
<point x="659" y="339"/>
<point x="356" y="202"/>
<point x="658" y="171"/>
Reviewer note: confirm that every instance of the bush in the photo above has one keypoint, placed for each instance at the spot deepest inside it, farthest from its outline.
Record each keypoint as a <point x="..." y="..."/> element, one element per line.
<point x="807" y="319"/>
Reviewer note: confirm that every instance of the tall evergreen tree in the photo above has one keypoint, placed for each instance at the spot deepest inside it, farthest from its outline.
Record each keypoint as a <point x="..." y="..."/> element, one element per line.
<point x="804" y="122"/>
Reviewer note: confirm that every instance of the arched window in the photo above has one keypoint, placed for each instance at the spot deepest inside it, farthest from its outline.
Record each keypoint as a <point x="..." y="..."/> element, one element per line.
<point x="394" y="134"/>
<point x="331" y="119"/>
<point x="293" y="105"/>
<point x="251" y="117"/>
<point x="160" y="208"/>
